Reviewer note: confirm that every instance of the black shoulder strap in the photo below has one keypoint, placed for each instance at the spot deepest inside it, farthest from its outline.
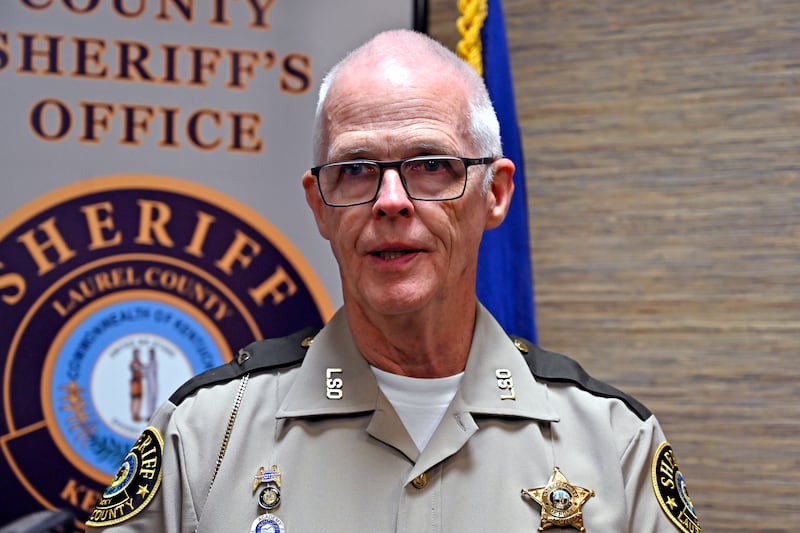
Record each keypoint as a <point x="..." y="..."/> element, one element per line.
<point x="258" y="356"/>
<point x="557" y="368"/>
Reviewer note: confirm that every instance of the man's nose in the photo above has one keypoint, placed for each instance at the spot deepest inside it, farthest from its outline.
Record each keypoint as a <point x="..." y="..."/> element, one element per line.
<point x="392" y="196"/>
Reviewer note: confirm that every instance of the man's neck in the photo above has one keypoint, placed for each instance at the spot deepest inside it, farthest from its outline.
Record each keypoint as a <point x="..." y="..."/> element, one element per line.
<point x="420" y="344"/>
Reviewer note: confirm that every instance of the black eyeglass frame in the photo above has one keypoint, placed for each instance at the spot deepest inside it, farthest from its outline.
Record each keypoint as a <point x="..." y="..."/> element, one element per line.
<point x="383" y="165"/>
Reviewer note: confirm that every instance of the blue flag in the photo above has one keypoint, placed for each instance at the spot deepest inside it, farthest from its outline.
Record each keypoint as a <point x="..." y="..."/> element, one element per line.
<point x="505" y="284"/>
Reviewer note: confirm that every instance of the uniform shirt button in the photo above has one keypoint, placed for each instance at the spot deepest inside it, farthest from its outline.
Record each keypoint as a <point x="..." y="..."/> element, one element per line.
<point x="420" y="481"/>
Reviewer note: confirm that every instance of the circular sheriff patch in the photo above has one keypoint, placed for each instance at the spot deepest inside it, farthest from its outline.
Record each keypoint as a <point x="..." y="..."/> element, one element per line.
<point x="114" y="291"/>
<point x="671" y="490"/>
<point x="135" y="483"/>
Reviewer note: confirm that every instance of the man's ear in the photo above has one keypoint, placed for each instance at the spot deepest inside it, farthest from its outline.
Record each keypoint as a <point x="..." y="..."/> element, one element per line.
<point x="500" y="191"/>
<point x="314" y="201"/>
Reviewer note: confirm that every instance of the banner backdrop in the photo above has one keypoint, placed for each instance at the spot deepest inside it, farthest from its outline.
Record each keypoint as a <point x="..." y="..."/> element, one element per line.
<point x="152" y="219"/>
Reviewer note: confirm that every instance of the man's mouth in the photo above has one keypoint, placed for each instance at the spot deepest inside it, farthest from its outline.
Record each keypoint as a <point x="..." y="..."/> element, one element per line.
<point x="392" y="254"/>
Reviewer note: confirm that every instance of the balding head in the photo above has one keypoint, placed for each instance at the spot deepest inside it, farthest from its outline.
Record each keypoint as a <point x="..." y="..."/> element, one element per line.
<point x="398" y="58"/>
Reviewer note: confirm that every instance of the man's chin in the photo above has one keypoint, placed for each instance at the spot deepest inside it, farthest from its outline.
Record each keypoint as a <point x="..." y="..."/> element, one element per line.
<point x="398" y="301"/>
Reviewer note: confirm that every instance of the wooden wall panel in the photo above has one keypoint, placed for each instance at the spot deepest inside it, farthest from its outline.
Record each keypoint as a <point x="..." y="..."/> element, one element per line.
<point x="662" y="147"/>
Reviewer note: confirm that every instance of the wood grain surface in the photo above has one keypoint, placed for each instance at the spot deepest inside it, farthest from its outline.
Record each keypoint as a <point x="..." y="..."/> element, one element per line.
<point x="662" y="159"/>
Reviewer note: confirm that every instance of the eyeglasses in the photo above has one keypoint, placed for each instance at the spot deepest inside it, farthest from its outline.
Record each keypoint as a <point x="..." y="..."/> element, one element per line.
<point x="427" y="177"/>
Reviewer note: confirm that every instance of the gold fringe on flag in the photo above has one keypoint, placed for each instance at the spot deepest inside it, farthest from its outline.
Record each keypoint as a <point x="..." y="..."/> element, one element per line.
<point x="473" y="13"/>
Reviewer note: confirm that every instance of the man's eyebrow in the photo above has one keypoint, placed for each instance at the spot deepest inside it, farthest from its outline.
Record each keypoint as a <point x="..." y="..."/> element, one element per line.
<point x="363" y="152"/>
<point x="434" y="148"/>
<point x="351" y="153"/>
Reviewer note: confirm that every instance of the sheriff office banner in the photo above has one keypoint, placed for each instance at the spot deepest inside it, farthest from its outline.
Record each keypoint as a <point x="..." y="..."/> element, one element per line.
<point x="151" y="216"/>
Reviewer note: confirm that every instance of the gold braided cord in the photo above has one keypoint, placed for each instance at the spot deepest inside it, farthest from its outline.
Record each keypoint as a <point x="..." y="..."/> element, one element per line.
<point x="473" y="13"/>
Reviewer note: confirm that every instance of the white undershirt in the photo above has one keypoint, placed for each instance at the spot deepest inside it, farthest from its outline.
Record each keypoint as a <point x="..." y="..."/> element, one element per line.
<point x="420" y="402"/>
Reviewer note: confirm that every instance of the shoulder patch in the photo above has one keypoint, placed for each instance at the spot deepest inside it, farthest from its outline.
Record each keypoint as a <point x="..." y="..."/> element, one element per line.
<point x="135" y="484"/>
<point x="671" y="491"/>
<point x="558" y="368"/>
<point x="259" y="356"/>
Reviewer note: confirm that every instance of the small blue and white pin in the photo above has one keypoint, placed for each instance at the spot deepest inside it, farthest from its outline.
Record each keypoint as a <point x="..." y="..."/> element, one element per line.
<point x="267" y="476"/>
<point x="267" y="523"/>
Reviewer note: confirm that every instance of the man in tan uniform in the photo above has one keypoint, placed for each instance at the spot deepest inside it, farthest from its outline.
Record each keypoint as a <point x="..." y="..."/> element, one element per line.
<point x="412" y="410"/>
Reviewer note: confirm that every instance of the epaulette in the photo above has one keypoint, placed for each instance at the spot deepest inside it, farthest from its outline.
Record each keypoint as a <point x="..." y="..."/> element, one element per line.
<point x="258" y="356"/>
<point x="558" y="368"/>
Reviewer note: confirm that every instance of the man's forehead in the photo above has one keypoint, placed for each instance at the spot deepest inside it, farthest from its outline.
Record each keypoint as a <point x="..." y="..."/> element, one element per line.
<point x="406" y="122"/>
<point x="397" y="74"/>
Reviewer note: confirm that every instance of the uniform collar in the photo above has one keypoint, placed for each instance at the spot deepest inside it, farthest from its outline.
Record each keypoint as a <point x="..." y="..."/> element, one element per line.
<point x="334" y="378"/>
<point x="497" y="380"/>
<point x="493" y="357"/>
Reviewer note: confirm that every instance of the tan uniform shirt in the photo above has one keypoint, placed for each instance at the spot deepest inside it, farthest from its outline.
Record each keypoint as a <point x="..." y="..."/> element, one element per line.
<point x="347" y="463"/>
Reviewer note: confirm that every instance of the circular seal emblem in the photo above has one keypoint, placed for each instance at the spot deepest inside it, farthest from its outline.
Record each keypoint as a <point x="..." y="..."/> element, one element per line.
<point x="267" y="523"/>
<point x="269" y="498"/>
<point x="114" y="291"/>
<point x="671" y="491"/>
